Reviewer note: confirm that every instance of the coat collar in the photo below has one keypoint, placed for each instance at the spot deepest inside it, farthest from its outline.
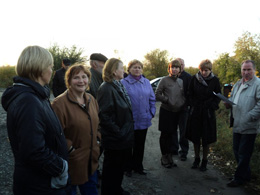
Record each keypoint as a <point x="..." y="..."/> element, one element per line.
<point x="248" y="83"/>
<point x="72" y="99"/>
<point x="131" y="80"/>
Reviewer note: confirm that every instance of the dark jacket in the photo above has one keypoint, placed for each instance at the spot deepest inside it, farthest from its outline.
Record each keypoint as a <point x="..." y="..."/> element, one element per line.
<point x="96" y="81"/>
<point x="58" y="83"/>
<point x="186" y="78"/>
<point x="202" y="120"/>
<point x="36" y="137"/>
<point x="116" y="120"/>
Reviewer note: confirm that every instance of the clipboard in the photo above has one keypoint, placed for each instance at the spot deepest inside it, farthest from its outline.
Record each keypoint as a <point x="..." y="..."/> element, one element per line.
<point x="223" y="98"/>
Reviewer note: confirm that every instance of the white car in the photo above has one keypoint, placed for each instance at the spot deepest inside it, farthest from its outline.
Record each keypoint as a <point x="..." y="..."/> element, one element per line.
<point x="154" y="83"/>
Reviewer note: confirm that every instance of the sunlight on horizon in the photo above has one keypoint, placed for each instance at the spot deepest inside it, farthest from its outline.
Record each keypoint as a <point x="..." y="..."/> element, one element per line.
<point x="191" y="30"/>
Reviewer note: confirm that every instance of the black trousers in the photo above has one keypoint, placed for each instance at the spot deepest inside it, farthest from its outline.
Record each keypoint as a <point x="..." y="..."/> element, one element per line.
<point x="168" y="125"/>
<point x="243" y="146"/>
<point x="138" y="150"/>
<point x="113" y="170"/>
<point x="181" y="141"/>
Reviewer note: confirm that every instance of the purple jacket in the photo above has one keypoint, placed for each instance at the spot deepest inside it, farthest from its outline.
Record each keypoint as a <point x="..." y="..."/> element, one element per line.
<point x="143" y="101"/>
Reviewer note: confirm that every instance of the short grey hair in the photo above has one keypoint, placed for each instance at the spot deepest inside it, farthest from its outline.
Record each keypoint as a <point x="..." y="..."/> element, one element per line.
<point x="248" y="61"/>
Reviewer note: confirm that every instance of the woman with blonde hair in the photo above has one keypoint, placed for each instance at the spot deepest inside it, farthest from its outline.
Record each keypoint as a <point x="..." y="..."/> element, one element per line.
<point x="201" y="126"/>
<point x="143" y="101"/>
<point x="34" y="131"/>
<point x="78" y="114"/>
<point x="117" y="127"/>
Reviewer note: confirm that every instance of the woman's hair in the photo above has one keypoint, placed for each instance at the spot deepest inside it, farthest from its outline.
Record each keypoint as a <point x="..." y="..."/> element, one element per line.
<point x="75" y="69"/>
<point x="110" y="67"/>
<point x="174" y="63"/>
<point x="134" y="62"/>
<point x="205" y="64"/>
<point x="33" y="61"/>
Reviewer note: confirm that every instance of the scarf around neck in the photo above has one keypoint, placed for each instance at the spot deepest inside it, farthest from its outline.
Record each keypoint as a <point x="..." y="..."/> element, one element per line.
<point x="121" y="87"/>
<point x="201" y="79"/>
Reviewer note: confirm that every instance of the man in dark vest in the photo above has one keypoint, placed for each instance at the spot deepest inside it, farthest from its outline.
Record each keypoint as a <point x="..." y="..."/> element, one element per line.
<point x="58" y="83"/>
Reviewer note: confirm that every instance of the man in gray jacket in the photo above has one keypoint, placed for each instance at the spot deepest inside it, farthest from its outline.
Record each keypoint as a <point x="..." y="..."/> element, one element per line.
<point x="246" y="114"/>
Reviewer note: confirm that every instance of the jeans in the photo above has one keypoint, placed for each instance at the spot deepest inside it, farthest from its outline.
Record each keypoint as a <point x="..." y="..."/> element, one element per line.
<point x="88" y="188"/>
<point x="243" y="147"/>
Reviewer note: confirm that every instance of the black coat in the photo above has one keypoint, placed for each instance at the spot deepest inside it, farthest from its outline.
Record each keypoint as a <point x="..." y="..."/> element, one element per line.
<point x="186" y="77"/>
<point x="36" y="137"/>
<point x="116" y="120"/>
<point x="58" y="83"/>
<point x="202" y="120"/>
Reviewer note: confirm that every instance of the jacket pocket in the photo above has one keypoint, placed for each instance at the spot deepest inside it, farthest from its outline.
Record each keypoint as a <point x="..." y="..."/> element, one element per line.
<point x="126" y="130"/>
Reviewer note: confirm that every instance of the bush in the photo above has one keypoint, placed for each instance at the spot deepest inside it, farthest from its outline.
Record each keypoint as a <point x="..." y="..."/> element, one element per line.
<point x="6" y="75"/>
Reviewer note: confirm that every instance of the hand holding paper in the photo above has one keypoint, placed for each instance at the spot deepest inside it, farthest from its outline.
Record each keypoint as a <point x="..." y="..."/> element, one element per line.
<point x="223" y="98"/>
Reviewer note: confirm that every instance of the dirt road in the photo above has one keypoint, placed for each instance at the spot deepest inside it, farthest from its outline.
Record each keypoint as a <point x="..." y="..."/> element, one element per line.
<point x="181" y="180"/>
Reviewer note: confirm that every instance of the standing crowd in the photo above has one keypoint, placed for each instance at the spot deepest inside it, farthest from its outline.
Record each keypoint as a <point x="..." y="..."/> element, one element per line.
<point x="103" y="111"/>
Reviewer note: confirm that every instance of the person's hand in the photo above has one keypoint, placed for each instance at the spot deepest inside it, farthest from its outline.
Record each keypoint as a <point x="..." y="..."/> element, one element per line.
<point x="227" y="105"/>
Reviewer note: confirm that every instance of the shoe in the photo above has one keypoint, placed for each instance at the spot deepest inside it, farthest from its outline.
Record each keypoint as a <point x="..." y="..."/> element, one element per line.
<point x="165" y="161"/>
<point x="128" y="173"/>
<point x="174" y="153"/>
<point x="174" y="165"/>
<point x="142" y="172"/>
<point x="125" y="192"/>
<point x="203" y="166"/>
<point x="196" y="163"/>
<point x="169" y="157"/>
<point x="183" y="157"/>
<point x="234" y="183"/>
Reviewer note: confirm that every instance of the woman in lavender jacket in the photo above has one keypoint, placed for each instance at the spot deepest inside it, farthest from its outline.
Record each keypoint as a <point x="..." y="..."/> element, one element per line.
<point x="143" y="106"/>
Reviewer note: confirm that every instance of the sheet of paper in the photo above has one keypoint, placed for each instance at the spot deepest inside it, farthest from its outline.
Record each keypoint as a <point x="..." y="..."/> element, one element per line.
<point x="223" y="98"/>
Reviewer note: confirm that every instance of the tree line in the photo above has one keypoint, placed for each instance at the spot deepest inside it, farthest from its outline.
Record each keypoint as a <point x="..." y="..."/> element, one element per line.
<point x="227" y="66"/>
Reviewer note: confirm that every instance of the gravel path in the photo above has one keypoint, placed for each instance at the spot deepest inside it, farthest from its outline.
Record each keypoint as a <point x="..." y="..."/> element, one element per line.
<point x="6" y="156"/>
